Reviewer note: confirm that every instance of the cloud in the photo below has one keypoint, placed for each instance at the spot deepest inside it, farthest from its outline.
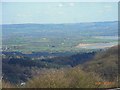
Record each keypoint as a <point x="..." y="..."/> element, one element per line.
<point x="107" y="6"/>
<point x="60" y="5"/>
<point x="19" y="15"/>
<point x="23" y="15"/>
<point x="71" y="4"/>
<point x="59" y="12"/>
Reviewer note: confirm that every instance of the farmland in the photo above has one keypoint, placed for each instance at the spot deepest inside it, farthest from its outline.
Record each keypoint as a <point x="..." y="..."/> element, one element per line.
<point x="58" y="37"/>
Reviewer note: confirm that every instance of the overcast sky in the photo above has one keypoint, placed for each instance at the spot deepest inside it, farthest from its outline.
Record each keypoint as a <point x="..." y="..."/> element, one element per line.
<point x="58" y="12"/>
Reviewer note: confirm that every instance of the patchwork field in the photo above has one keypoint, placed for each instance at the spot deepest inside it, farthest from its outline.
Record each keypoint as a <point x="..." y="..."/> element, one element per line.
<point x="59" y="37"/>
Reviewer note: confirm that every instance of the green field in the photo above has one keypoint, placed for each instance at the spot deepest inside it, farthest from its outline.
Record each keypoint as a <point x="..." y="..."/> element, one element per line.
<point x="24" y="44"/>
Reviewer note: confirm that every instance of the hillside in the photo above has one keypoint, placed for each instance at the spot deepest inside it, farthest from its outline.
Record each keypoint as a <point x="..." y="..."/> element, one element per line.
<point x="63" y="78"/>
<point x="105" y="63"/>
<point x="103" y="67"/>
<point x="24" y="65"/>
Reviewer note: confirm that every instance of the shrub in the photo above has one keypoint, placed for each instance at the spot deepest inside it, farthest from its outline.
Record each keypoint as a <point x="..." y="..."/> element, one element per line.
<point x="69" y="78"/>
<point x="50" y="79"/>
<point x="7" y="85"/>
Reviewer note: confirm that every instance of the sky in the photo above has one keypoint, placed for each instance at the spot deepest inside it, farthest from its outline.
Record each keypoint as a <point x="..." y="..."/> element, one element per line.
<point x="58" y="12"/>
<point x="59" y="0"/>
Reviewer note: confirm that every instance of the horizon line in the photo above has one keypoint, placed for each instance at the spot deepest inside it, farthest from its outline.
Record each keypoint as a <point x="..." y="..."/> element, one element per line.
<point x="58" y="23"/>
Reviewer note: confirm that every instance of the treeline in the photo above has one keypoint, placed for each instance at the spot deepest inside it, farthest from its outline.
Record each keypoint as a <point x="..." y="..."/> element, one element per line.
<point x="105" y="63"/>
<point x="100" y="67"/>
<point x="18" y="68"/>
<point x="64" y="78"/>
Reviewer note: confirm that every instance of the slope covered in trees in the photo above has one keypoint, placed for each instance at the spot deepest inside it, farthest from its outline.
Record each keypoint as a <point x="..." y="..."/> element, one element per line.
<point x="103" y="67"/>
<point x="105" y="63"/>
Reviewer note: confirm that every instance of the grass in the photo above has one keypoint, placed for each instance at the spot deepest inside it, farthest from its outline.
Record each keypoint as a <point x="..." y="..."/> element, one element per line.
<point x="41" y="44"/>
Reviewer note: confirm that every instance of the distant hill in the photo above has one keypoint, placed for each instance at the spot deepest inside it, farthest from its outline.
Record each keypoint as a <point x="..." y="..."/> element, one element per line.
<point x="105" y="63"/>
<point x="74" y="28"/>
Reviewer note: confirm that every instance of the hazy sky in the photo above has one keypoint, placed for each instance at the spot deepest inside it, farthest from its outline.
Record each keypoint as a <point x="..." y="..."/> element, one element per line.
<point x="56" y="12"/>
